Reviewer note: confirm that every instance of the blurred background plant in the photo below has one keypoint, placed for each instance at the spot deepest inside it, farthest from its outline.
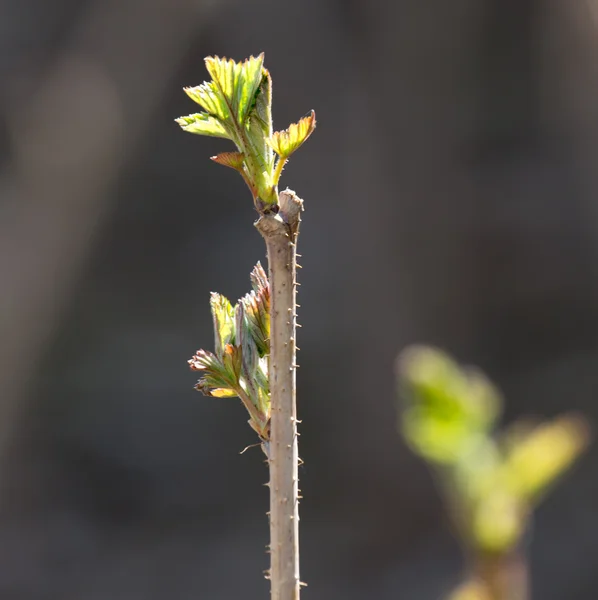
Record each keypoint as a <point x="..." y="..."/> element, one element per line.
<point x="491" y="480"/>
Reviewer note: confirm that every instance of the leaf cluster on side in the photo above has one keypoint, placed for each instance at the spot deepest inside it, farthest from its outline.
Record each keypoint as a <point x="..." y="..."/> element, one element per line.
<point x="238" y="367"/>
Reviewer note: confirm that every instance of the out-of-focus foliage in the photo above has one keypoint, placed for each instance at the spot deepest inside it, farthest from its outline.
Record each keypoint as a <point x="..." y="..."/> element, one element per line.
<point x="470" y="590"/>
<point x="237" y="105"/>
<point x="447" y="411"/>
<point x="447" y="416"/>
<point x="239" y="364"/>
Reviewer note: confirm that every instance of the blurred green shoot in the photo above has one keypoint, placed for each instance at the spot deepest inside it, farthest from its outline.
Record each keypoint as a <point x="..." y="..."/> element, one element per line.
<point x="491" y="480"/>
<point x="238" y="367"/>
<point x="237" y="105"/>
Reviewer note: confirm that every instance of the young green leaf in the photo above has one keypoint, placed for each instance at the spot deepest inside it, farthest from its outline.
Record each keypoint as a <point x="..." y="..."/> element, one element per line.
<point x="216" y="375"/>
<point x="256" y="306"/>
<point x="209" y="98"/>
<point x="542" y="454"/>
<point x="203" y="124"/>
<point x="285" y="142"/>
<point x="446" y="409"/>
<point x="239" y="366"/>
<point x="237" y="83"/>
<point x="223" y="316"/>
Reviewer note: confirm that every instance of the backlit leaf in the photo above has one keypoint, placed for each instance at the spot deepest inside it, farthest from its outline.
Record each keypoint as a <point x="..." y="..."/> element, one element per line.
<point x="542" y="454"/>
<point x="237" y="83"/>
<point x="234" y="160"/>
<point x="208" y="96"/>
<point x="284" y="143"/>
<point x="223" y="316"/>
<point x="203" y="124"/>
<point x="223" y="393"/>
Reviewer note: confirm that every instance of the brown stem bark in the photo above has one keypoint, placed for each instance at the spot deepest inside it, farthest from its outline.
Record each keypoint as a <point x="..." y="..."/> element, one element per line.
<point x="280" y="233"/>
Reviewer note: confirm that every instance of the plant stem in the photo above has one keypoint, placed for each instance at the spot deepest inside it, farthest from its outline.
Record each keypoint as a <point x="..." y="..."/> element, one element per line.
<point x="505" y="576"/>
<point x="280" y="234"/>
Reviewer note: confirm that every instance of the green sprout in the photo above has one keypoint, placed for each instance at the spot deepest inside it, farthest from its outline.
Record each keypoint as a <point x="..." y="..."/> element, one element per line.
<point x="491" y="481"/>
<point x="237" y="105"/>
<point x="238" y="367"/>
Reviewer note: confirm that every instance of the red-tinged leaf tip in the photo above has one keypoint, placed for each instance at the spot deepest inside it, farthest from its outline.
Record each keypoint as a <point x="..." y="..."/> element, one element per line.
<point x="234" y="160"/>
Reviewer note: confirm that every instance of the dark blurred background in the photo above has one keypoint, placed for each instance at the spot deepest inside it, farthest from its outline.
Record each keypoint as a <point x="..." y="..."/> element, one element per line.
<point x="450" y="198"/>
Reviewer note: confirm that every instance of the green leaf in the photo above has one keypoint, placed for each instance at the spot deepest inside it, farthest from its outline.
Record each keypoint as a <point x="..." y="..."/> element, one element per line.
<point x="223" y="316"/>
<point x="284" y="143"/>
<point x="238" y="367"/>
<point x="247" y="345"/>
<point x="209" y="98"/>
<point x="446" y="410"/>
<point x="232" y="361"/>
<point x="203" y="124"/>
<point x="237" y="83"/>
<point x="258" y="129"/>
<point x="536" y="457"/>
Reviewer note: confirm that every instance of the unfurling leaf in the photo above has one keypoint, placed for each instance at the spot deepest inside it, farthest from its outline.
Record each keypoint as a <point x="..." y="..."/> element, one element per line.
<point x="237" y="83"/>
<point x="239" y="366"/>
<point x="259" y="280"/>
<point x="284" y="143"/>
<point x="216" y="374"/>
<point x="234" y="160"/>
<point x="256" y="306"/>
<point x="209" y="98"/>
<point x="223" y="316"/>
<point x="203" y="124"/>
